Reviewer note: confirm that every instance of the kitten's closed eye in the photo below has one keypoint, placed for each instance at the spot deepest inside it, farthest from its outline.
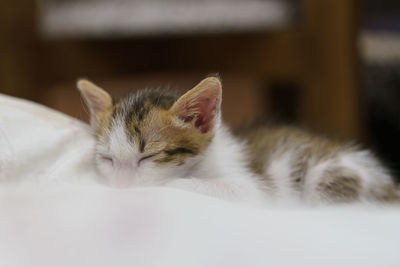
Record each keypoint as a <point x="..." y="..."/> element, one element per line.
<point x="179" y="150"/>
<point x="107" y="158"/>
<point x="146" y="157"/>
<point x="172" y="152"/>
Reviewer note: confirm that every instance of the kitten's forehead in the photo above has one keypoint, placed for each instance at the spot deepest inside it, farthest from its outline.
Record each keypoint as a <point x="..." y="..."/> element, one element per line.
<point x="133" y="110"/>
<point x="119" y="142"/>
<point x="142" y="123"/>
<point x="136" y="105"/>
<point x="140" y="102"/>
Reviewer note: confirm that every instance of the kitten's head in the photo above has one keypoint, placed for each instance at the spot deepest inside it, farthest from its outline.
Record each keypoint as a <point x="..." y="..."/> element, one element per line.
<point x="152" y="136"/>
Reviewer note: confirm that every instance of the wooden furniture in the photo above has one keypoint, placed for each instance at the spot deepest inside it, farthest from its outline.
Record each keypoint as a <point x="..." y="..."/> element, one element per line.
<point x="318" y="57"/>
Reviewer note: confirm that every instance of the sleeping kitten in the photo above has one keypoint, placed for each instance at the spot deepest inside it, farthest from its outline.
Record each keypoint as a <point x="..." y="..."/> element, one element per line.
<point x="154" y="137"/>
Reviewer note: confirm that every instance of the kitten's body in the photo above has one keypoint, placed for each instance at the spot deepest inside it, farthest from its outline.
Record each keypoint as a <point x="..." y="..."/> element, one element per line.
<point x="298" y="165"/>
<point x="154" y="138"/>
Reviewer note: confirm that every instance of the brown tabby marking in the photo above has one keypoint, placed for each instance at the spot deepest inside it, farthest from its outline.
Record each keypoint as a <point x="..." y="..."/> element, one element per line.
<point x="269" y="142"/>
<point x="387" y="193"/>
<point x="340" y="185"/>
<point x="298" y="172"/>
<point x="148" y="121"/>
<point x="170" y="130"/>
<point x="264" y="142"/>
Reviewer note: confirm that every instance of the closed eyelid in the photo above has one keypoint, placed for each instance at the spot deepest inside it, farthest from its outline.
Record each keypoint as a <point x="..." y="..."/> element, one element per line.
<point x="148" y="156"/>
<point x="178" y="150"/>
<point x="107" y="158"/>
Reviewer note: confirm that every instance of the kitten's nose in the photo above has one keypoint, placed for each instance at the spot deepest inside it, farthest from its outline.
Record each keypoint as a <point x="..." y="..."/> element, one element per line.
<point x="123" y="175"/>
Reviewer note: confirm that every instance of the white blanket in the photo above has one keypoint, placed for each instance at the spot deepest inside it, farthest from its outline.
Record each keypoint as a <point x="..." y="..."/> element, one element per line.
<point x="55" y="211"/>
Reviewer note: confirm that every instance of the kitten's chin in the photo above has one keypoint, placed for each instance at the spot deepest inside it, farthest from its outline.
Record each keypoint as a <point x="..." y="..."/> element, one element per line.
<point x="120" y="182"/>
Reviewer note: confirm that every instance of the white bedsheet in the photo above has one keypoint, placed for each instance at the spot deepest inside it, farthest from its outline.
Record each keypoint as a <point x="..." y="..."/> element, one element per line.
<point x="54" y="211"/>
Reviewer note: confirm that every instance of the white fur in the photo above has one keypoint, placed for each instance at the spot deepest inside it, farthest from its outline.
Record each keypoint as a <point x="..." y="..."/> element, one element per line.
<point x="373" y="175"/>
<point x="220" y="171"/>
<point x="314" y="176"/>
<point x="278" y="170"/>
<point x="125" y="169"/>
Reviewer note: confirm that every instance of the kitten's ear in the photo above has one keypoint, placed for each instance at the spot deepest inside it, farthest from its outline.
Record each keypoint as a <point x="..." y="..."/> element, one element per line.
<point x="96" y="99"/>
<point x="200" y="105"/>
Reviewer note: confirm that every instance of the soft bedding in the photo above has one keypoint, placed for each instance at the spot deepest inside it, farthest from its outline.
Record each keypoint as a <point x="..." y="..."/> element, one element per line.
<point x="56" y="211"/>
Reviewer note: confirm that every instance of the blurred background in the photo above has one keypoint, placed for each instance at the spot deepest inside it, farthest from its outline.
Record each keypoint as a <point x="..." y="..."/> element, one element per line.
<point x="332" y="66"/>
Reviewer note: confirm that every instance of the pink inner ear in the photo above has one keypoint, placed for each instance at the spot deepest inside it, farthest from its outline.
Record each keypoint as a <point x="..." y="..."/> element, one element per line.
<point x="200" y="105"/>
<point x="206" y="114"/>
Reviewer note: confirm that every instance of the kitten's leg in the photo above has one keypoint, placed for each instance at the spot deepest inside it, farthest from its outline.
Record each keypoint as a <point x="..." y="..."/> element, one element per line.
<point x="335" y="184"/>
<point x="350" y="176"/>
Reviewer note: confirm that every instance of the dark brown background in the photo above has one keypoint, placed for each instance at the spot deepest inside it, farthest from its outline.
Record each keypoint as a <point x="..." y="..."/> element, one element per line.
<point x="307" y="73"/>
